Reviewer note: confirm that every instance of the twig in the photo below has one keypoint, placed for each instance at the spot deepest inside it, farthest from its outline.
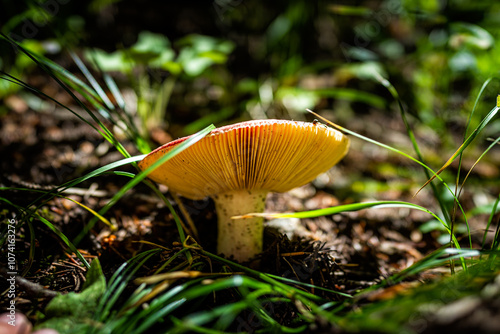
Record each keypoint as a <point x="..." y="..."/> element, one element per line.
<point x="32" y="289"/>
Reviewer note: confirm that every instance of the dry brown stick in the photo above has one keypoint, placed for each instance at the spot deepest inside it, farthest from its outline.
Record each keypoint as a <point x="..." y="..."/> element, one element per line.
<point x="31" y="288"/>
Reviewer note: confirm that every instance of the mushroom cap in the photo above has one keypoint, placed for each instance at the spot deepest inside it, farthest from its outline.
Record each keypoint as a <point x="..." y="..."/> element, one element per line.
<point x="272" y="155"/>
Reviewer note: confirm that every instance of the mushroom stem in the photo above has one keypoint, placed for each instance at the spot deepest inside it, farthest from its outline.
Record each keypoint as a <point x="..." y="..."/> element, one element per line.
<point x="242" y="239"/>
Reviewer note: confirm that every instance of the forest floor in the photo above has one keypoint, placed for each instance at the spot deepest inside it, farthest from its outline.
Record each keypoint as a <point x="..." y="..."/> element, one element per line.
<point x="346" y="252"/>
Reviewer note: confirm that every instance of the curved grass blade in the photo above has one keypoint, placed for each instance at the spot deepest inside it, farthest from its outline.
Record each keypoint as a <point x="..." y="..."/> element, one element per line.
<point x="297" y="293"/>
<point x="51" y="194"/>
<point x="496" y="240"/>
<point x="17" y="81"/>
<point x="143" y="174"/>
<point x="126" y="123"/>
<point x="98" y="98"/>
<point x="390" y="148"/>
<point x="35" y="58"/>
<point x="448" y="226"/>
<point x="22" y="212"/>
<point x="178" y="222"/>
<point x="390" y="87"/>
<point x="120" y="101"/>
<point x="227" y="313"/>
<point x="465" y="179"/>
<point x="118" y="283"/>
<point x="97" y="88"/>
<point x="342" y="208"/>
<point x="481" y="91"/>
<point x="485" y="121"/>
<point x="101" y="218"/>
<point x="435" y="259"/>
<point x="288" y="280"/>
<point x="351" y="207"/>
<point x="64" y="239"/>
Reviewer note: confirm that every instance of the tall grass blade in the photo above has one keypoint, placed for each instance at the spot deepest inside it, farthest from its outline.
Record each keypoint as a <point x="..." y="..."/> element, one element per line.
<point x="14" y="80"/>
<point x="101" y="218"/>
<point x="142" y="175"/>
<point x="120" y="101"/>
<point x="386" y="83"/>
<point x="92" y="81"/>
<point x="338" y="127"/>
<point x="343" y="208"/>
<point x="51" y="194"/>
<point x="485" y="121"/>
<point x="496" y="240"/>
<point x="37" y="59"/>
<point x="64" y="239"/>
<point x="32" y="244"/>
<point x="372" y="141"/>
<point x="476" y="102"/>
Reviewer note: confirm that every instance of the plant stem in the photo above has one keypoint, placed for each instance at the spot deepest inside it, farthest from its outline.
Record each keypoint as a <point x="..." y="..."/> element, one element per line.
<point x="241" y="239"/>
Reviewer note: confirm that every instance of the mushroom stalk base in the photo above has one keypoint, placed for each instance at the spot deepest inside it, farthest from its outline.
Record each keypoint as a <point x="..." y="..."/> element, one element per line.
<point x="240" y="239"/>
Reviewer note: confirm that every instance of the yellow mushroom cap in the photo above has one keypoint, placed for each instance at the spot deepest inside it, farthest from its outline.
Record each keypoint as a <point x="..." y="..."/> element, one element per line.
<point x="272" y="155"/>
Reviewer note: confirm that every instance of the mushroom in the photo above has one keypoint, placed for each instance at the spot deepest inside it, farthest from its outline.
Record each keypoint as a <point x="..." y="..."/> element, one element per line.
<point x="237" y="165"/>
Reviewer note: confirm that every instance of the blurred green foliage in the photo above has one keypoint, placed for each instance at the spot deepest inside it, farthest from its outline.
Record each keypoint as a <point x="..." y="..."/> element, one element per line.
<point x="153" y="66"/>
<point x="287" y="56"/>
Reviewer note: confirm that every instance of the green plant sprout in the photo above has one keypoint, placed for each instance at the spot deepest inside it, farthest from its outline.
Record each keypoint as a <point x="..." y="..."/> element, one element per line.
<point x="153" y="66"/>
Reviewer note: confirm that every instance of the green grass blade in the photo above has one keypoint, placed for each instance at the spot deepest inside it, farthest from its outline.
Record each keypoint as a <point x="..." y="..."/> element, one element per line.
<point x="264" y="277"/>
<point x="99" y="101"/>
<point x="352" y="207"/>
<point x="471" y="115"/>
<point x="467" y="176"/>
<point x="55" y="192"/>
<point x="403" y="154"/>
<point x="8" y="77"/>
<point x="22" y="212"/>
<point x="496" y="240"/>
<point x="101" y="218"/>
<point x="118" y="283"/>
<point x="102" y="170"/>
<point x="92" y="81"/>
<point x="387" y="84"/>
<point x="69" y="77"/>
<point x="343" y="208"/>
<point x="226" y="314"/>
<point x="130" y="128"/>
<point x="143" y="174"/>
<point x="372" y="141"/>
<point x="485" y="121"/>
<point x="64" y="239"/>
<point x="120" y="101"/>
<point x="312" y="286"/>
<point x="37" y="59"/>
<point x="435" y="259"/>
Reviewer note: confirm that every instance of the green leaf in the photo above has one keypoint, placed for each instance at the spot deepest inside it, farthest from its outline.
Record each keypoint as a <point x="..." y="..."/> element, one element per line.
<point x="192" y="63"/>
<point x="200" y="52"/>
<point x="297" y="99"/>
<point x="472" y="36"/>
<point x="149" y="43"/>
<point x="94" y="276"/>
<point x="115" y="61"/>
<point x="73" y="312"/>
